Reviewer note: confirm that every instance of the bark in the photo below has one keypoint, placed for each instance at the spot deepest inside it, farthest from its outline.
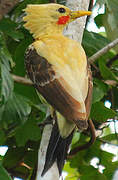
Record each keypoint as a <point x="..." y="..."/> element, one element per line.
<point x="53" y="171"/>
<point x="103" y="51"/>
<point x="6" y="6"/>
<point x="74" y="31"/>
<point x="22" y="80"/>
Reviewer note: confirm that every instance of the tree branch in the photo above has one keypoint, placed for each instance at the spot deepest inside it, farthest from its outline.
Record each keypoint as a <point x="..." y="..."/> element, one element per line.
<point x="53" y="1"/>
<point x="88" y="144"/>
<point x="106" y="142"/>
<point x="6" y="6"/>
<point x="103" y="51"/>
<point x="76" y="28"/>
<point x="21" y="80"/>
<point x="52" y="173"/>
<point x="28" y="82"/>
<point x="110" y="61"/>
<point x="110" y="82"/>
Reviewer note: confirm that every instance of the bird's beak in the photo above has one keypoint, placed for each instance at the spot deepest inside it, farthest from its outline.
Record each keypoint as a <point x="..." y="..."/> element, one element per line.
<point x="76" y="14"/>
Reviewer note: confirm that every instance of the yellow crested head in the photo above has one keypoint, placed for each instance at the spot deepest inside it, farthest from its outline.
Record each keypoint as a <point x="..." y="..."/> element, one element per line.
<point x="46" y="19"/>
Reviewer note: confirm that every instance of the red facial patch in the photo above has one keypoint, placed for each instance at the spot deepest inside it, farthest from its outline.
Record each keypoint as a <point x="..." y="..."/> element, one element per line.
<point x="63" y="20"/>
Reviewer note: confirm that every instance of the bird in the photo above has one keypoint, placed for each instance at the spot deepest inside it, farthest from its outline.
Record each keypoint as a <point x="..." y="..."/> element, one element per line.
<point x="58" y="68"/>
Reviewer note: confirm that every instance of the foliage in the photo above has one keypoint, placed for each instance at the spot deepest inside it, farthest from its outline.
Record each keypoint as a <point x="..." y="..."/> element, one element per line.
<point x="21" y="109"/>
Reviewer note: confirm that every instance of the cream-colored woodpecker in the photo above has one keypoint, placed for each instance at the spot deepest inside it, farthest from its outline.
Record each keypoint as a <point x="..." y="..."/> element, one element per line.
<point x="58" y="68"/>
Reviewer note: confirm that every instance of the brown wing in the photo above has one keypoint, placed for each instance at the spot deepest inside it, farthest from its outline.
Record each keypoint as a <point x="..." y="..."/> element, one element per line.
<point x="46" y="82"/>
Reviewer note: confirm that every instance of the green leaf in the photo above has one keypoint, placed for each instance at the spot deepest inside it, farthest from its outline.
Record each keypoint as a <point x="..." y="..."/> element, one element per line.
<point x="31" y="158"/>
<point x="2" y="137"/>
<point x="7" y="84"/>
<point x="100" y="2"/>
<point x="93" y="151"/>
<point x="4" y="50"/>
<point x="19" y="69"/>
<point x="115" y="63"/>
<point x="27" y="91"/>
<point x="89" y="172"/>
<point x="98" y="94"/>
<point x="115" y="96"/>
<point x="99" y="90"/>
<point x="7" y="25"/>
<point x="101" y="85"/>
<point x="110" y="20"/>
<point x="98" y="20"/>
<point x="3" y="174"/>
<point x="15" y="110"/>
<point x="13" y="157"/>
<point x="19" y="56"/>
<point x="15" y="34"/>
<point x="80" y="158"/>
<point x="100" y="113"/>
<point x="110" y="170"/>
<point x="9" y="28"/>
<point x="73" y="174"/>
<point x="92" y="42"/>
<point x="110" y="138"/>
<point x="75" y="137"/>
<point x="105" y="158"/>
<point x="28" y="131"/>
<point x="106" y="72"/>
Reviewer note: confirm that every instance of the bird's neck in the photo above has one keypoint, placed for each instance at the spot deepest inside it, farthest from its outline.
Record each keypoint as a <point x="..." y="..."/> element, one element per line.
<point x="54" y="37"/>
<point x="47" y="30"/>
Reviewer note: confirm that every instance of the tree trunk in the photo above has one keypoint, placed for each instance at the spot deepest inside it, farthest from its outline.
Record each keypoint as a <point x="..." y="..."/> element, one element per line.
<point x="76" y="28"/>
<point x="6" y="6"/>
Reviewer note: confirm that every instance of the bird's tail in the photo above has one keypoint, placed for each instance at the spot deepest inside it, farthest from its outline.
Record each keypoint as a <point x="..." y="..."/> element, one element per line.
<point x="57" y="150"/>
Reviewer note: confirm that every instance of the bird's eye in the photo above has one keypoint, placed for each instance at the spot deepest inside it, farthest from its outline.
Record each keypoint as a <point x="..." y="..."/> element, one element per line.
<point x="61" y="10"/>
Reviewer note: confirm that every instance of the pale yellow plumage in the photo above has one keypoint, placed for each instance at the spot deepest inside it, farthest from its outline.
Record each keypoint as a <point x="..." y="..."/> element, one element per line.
<point x="67" y="63"/>
<point x="41" y="19"/>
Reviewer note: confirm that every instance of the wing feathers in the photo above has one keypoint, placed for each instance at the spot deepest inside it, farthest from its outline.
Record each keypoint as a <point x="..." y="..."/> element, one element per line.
<point x="47" y="83"/>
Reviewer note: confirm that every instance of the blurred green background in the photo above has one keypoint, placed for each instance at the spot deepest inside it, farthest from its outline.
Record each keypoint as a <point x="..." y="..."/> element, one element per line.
<point x="21" y="109"/>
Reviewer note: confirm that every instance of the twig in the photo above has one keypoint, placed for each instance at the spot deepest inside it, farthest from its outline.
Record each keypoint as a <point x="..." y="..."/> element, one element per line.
<point x="28" y="82"/>
<point x="90" y="9"/>
<point x="88" y="144"/>
<point x="110" y="61"/>
<point x="22" y="80"/>
<point x="103" y="51"/>
<point x="53" y="1"/>
<point x="107" y="142"/>
<point x="110" y="82"/>
<point x="113" y="107"/>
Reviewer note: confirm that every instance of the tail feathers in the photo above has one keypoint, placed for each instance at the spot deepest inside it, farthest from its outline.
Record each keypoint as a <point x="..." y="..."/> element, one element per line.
<point x="57" y="150"/>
